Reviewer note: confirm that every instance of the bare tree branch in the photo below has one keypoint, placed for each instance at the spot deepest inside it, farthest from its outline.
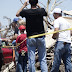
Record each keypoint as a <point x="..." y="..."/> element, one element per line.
<point x="53" y="6"/>
<point x="7" y="29"/>
<point x="49" y="0"/>
<point x="42" y="4"/>
<point x="22" y="3"/>
<point x="59" y="3"/>
<point x="56" y="3"/>
<point x="46" y="21"/>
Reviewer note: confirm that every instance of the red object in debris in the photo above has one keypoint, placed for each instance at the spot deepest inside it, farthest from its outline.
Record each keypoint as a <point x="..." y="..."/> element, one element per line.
<point x="7" y="54"/>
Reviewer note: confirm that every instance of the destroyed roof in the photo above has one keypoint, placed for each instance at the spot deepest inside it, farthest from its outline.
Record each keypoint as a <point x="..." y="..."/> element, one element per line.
<point x="69" y="19"/>
<point x="67" y="12"/>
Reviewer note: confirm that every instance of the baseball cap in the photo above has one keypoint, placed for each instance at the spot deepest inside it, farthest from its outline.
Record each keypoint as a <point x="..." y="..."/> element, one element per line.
<point x="56" y="10"/>
<point x="15" y="19"/>
<point x="22" y="27"/>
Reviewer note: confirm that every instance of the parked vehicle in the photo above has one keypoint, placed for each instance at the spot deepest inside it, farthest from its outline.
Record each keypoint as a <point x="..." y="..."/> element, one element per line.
<point x="7" y="53"/>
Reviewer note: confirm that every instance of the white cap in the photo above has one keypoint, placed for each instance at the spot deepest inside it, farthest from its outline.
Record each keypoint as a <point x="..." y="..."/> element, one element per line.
<point x="56" y="10"/>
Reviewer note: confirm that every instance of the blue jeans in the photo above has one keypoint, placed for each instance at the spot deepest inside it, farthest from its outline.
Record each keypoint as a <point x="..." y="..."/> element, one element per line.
<point x="16" y="55"/>
<point x="32" y="44"/>
<point x="62" y="51"/>
<point x="22" y="63"/>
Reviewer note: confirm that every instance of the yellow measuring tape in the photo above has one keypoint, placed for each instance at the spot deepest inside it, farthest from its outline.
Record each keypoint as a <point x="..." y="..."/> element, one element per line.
<point x="16" y="45"/>
<point x="34" y="36"/>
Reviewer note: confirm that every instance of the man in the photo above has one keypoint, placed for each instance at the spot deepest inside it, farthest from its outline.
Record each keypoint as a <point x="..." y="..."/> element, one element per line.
<point x="15" y="28"/>
<point x="62" y="47"/>
<point x="34" y="26"/>
<point x="22" y="50"/>
<point x="13" y="38"/>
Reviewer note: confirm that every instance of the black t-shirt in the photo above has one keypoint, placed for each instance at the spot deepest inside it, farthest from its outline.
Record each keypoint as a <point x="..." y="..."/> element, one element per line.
<point x="34" y="20"/>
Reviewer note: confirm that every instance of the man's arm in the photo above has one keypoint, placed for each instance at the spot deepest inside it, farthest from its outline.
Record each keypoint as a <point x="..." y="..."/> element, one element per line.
<point x="38" y="5"/>
<point x="24" y="5"/>
<point x="14" y="37"/>
<point x="55" y="35"/>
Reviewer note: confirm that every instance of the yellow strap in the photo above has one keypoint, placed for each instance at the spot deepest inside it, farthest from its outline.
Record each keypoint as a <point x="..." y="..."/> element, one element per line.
<point x="34" y="36"/>
<point x="14" y="46"/>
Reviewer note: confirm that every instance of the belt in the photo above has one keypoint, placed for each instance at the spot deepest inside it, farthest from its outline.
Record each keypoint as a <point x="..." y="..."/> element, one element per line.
<point x="65" y="43"/>
<point x="23" y="53"/>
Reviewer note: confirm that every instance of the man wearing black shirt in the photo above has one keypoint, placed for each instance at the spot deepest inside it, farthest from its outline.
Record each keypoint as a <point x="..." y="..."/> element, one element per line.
<point x="34" y="26"/>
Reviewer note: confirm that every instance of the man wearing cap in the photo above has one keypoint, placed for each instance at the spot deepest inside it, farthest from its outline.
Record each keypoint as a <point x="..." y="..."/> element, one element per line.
<point x="22" y="49"/>
<point x="13" y="38"/>
<point x="15" y="28"/>
<point x="63" y="44"/>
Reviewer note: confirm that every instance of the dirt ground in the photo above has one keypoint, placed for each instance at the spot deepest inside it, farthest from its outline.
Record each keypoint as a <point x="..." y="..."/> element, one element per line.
<point x="62" y="69"/>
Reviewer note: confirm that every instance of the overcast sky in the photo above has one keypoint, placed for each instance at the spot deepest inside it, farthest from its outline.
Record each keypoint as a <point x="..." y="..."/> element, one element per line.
<point x="10" y="7"/>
